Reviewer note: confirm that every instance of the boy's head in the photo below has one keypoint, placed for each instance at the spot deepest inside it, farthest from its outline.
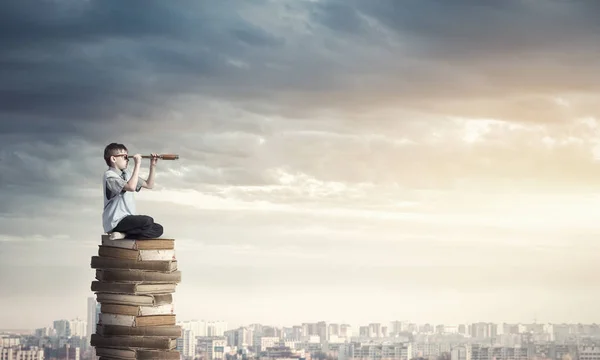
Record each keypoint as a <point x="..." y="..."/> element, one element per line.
<point x="115" y="156"/>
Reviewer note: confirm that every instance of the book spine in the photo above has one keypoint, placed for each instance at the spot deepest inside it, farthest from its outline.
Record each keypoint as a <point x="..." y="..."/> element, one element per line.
<point x="138" y="275"/>
<point x="163" y="330"/>
<point x="158" y="343"/>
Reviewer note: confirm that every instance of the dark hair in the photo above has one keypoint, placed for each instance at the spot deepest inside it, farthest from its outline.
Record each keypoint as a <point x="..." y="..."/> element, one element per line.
<point x="112" y="149"/>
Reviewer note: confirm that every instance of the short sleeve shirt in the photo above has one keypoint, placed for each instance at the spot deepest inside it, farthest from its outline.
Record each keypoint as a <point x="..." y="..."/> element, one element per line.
<point x="118" y="203"/>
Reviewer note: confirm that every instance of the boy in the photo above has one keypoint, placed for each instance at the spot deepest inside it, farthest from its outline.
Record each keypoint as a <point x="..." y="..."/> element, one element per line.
<point x="119" y="217"/>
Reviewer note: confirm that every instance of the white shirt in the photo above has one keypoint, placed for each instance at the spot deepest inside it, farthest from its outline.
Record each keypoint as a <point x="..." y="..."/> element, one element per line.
<point x="118" y="203"/>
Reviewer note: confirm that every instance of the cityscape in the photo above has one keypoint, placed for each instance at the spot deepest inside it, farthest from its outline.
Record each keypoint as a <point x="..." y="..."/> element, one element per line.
<point x="393" y="340"/>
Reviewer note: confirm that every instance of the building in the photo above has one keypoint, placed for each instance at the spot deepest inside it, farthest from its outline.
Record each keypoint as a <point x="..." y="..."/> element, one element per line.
<point x="62" y="328"/>
<point x="334" y="329"/>
<point x="309" y="329"/>
<point x="281" y="352"/>
<point x="397" y="327"/>
<point x="216" y="328"/>
<point x="78" y="327"/>
<point x="186" y="344"/>
<point x="205" y="328"/>
<point x="461" y="353"/>
<point x="268" y="342"/>
<point x="211" y="348"/>
<point x="484" y="330"/>
<point x="479" y="352"/>
<point x="429" y="349"/>
<point x="9" y="341"/>
<point x="244" y="337"/>
<point x="43" y="332"/>
<point x="18" y="353"/>
<point x="345" y="331"/>
<point x="63" y="352"/>
<point x="322" y="331"/>
<point x="92" y="317"/>
<point x="297" y="333"/>
<point x="375" y="330"/>
<point x="589" y="352"/>
<point x="370" y="351"/>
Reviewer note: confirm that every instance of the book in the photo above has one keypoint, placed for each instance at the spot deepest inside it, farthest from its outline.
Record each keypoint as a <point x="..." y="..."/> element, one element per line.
<point x="136" y="310"/>
<point x="138" y="275"/>
<point x="135" y="321"/>
<point x="141" y="300"/>
<point x="159" y="343"/>
<point x="132" y="288"/>
<point x="139" y="244"/>
<point x="173" y="331"/>
<point x="99" y="262"/>
<point x="139" y="255"/>
<point x="140" y="354"/>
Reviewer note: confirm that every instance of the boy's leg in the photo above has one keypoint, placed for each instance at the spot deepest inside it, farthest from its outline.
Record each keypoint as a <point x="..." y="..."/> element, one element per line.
<point x="154" y="232"/>
<point x="139" y="227"/>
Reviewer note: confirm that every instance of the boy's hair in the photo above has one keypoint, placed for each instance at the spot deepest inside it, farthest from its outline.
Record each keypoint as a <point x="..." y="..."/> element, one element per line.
<point x="112" y="149"/>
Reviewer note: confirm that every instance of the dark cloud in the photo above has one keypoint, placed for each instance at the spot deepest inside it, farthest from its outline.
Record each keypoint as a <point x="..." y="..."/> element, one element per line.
<point x="339" y="16"/>
<point x="69" y="62"/>
<point x="490" y="31"/>
<point x="97" y="61"/>
<point x="466" y="55"/>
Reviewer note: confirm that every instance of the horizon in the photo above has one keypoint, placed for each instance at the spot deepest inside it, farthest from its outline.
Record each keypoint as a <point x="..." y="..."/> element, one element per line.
<point x="352" y="326"/>
<point x="230" y="326"/>
<point x="338" y="159"/>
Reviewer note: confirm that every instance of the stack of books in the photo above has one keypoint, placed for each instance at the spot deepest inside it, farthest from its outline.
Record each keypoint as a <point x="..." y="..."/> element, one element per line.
<point x="135" y="282"/>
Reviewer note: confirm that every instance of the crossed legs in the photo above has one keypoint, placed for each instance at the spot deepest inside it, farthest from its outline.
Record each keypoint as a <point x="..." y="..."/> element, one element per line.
<point x="138" y="227"/>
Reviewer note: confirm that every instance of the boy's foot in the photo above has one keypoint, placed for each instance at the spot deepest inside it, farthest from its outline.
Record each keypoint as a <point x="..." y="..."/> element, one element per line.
<point x="116" y="235"/>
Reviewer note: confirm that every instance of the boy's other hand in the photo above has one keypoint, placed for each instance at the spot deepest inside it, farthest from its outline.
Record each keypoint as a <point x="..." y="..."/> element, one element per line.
<point x="137" y="158"/>
<point x="154" y="159"/>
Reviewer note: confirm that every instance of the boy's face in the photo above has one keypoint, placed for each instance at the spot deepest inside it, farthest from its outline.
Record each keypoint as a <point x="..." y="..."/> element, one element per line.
<point x="121" y="159"/>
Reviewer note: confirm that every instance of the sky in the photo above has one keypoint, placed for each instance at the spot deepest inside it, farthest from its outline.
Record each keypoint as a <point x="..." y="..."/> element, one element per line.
<point x="342" y="161"/>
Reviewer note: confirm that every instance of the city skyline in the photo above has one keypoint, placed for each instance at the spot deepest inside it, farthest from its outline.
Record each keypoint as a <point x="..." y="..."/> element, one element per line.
<point x="354" y="326"/>
<point x="345" y="160"/>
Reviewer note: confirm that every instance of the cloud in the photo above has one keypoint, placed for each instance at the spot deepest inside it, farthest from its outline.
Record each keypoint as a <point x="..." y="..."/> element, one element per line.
<point x="506" y="59"/>
<point x="142" y="66"/>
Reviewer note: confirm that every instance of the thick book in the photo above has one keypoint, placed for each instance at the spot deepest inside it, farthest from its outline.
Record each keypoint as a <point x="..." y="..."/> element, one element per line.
<point x="140" y="354"/>
<point x="135" y="321"/>
<point x="172" y="331"/>
<point x="139" y="255"/>
<point x="142" y="300"/>
<point x="100" y="262"/>
<point x="138" y="276"/>
<point x="139" y="244"/>
<point x="132" y="288"/>
<point x="158" y="343"/>
<point x="166" y="309"/>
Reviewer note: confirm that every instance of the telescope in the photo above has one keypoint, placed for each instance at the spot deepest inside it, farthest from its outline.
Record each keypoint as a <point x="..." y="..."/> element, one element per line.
<point x="163" y="157"/>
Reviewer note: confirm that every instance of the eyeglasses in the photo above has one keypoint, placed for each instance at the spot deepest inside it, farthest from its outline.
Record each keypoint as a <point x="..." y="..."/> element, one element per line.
<point x="125" y="156"/>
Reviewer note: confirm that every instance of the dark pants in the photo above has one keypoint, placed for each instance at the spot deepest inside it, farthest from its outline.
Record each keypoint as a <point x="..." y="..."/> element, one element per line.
<point x="139" y="227"/>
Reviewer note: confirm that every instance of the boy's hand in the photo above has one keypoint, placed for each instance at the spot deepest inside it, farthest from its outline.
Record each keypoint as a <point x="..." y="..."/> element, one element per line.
<point x="153" y="159"/>
<point x="137" y="158"/>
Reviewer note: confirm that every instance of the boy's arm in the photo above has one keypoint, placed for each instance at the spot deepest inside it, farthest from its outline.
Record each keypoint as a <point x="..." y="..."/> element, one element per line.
<point x="133" y="183"/>
<point x="115" y="184"/>
<point x="149" y="183"/>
